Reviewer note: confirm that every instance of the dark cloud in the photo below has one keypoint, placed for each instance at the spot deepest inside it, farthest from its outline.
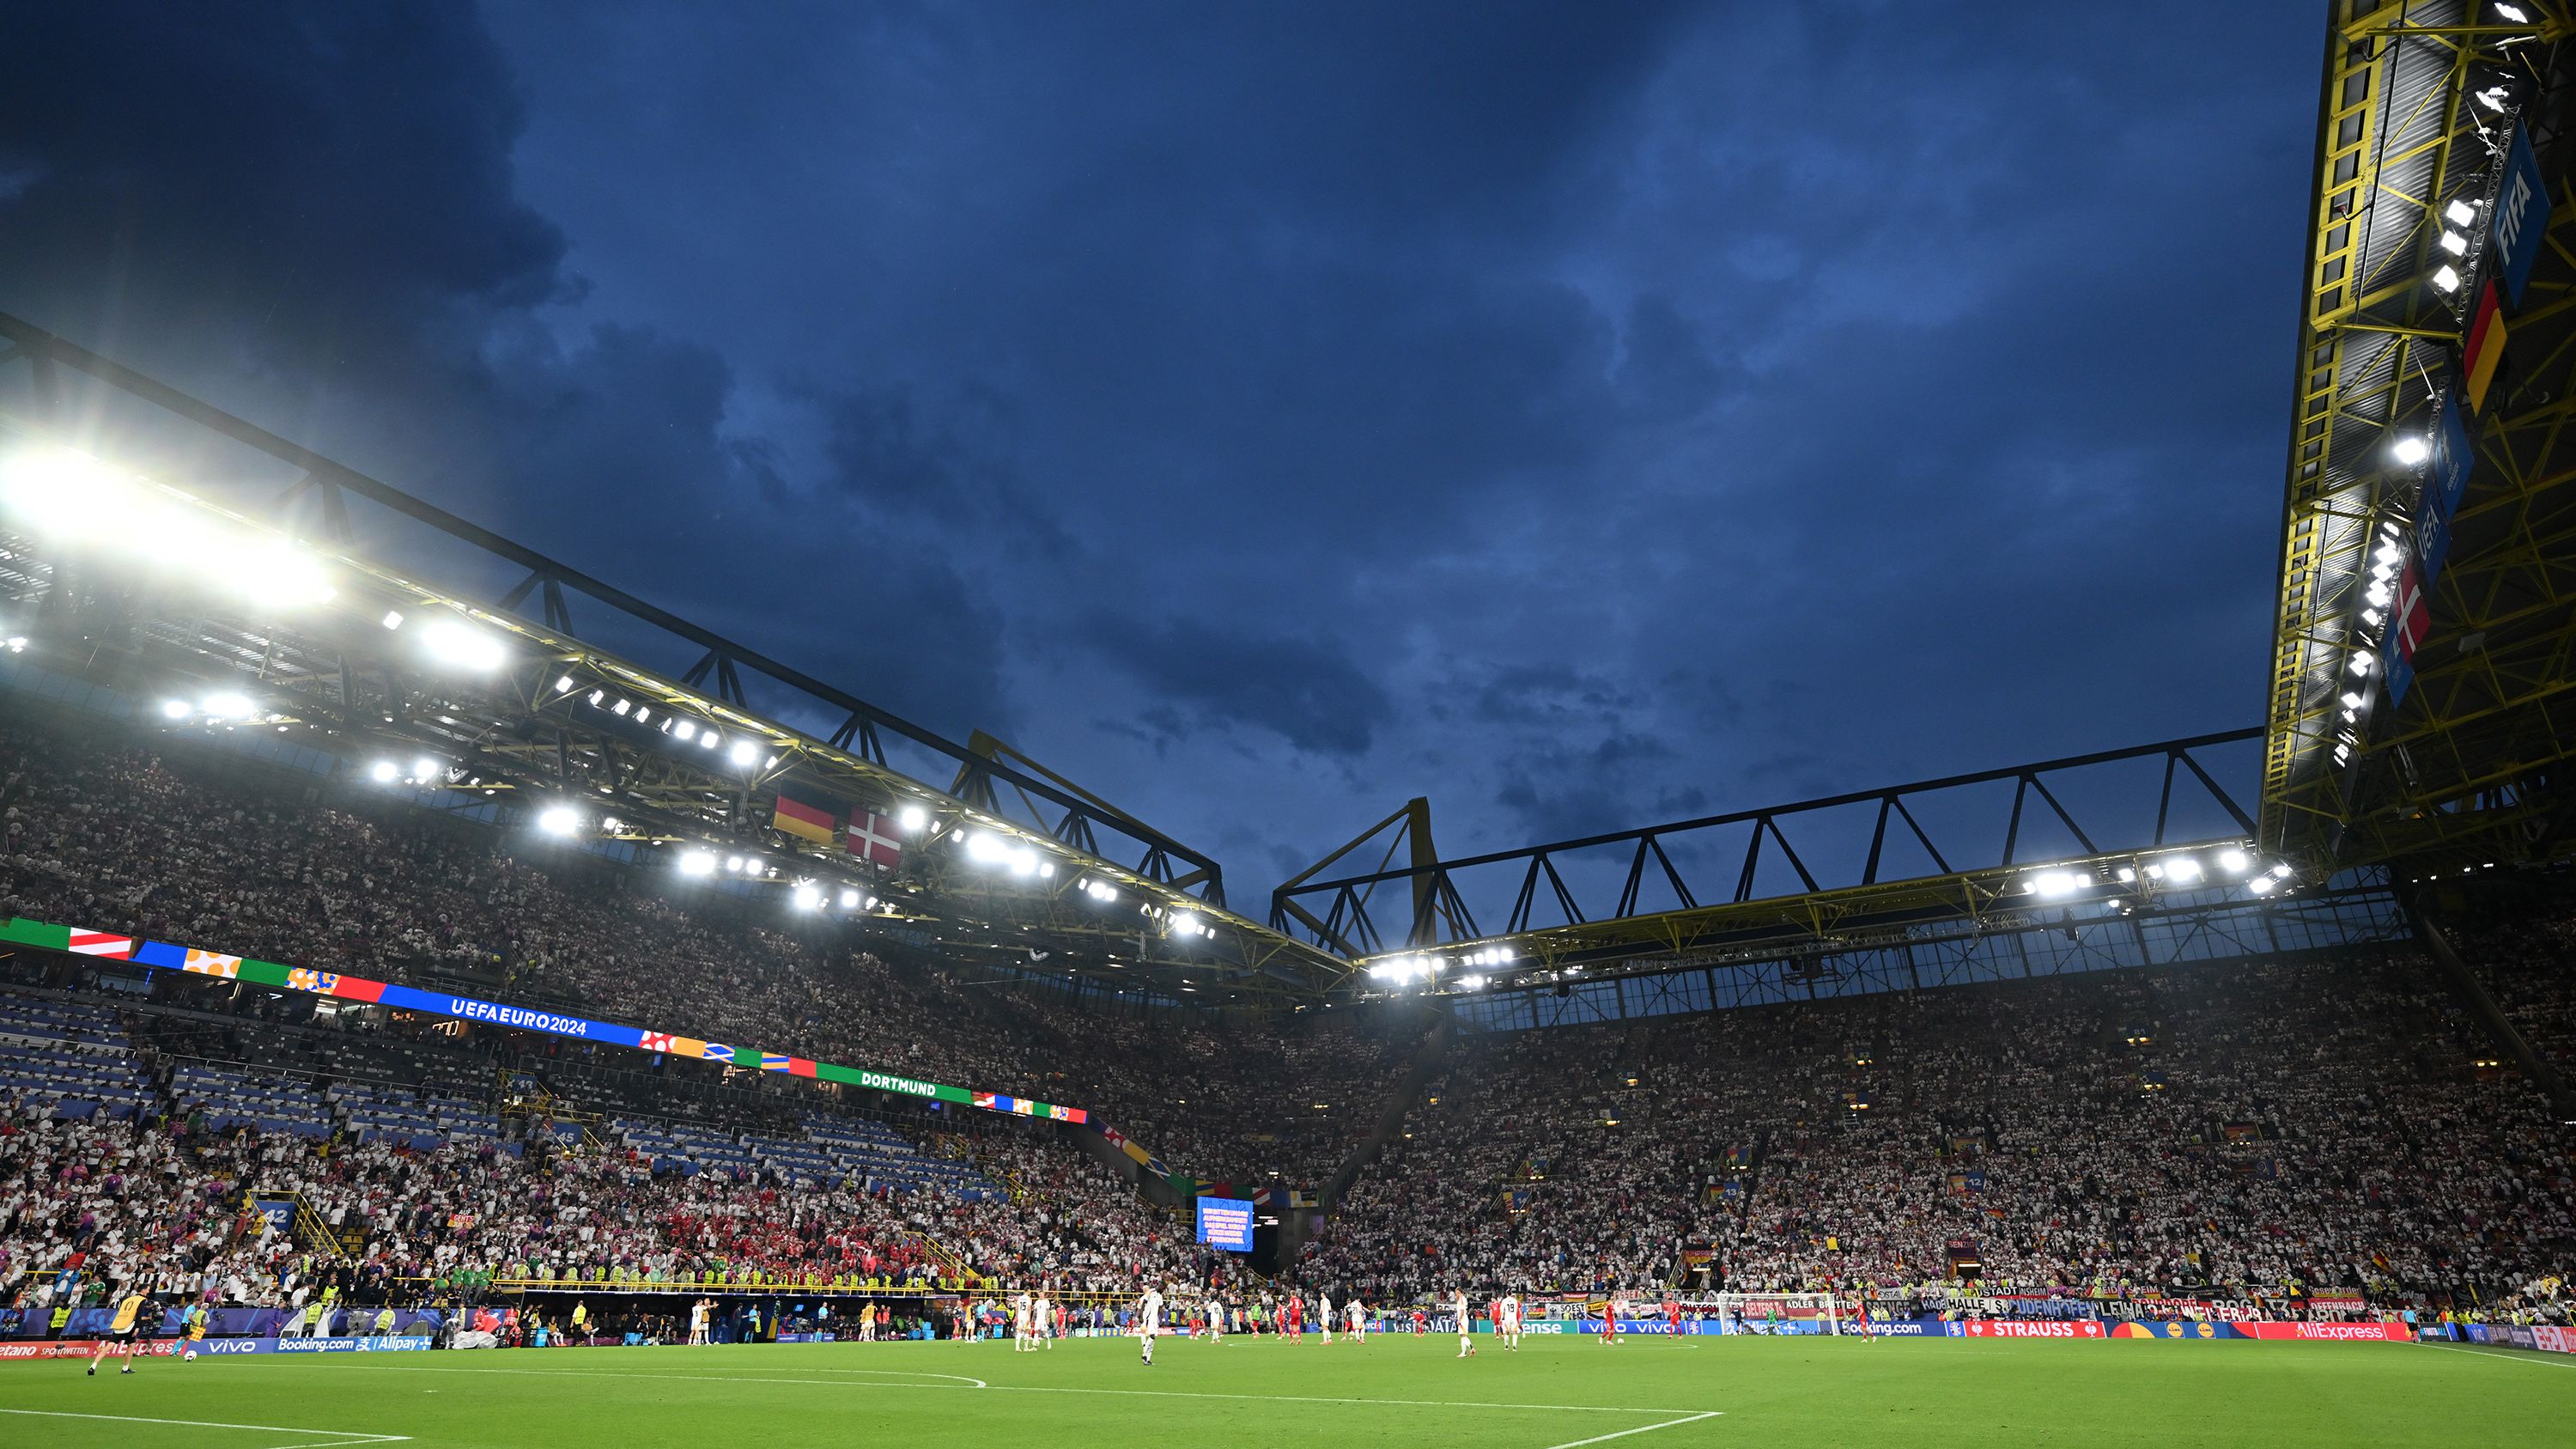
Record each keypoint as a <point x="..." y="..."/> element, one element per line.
<point x="1305" y="692"/>
<point x="1580" y="415"/>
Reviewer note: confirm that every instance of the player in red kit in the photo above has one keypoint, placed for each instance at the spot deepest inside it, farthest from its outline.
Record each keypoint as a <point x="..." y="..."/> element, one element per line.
<point x="1610" y="1320"/>
<point x="1672" y="1315"/>
<point x="1296" y="1319"/>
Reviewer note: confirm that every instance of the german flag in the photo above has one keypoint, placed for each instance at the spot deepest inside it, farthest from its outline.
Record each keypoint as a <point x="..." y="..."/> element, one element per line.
<point x="2484" y="347"/>
<point x="810" y="817"/>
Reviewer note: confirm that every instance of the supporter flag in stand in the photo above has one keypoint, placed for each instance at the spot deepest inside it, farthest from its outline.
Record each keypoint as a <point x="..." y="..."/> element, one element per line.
<point x="2484" y="347"/>
<point x="100" y="943"/>
<point x="872" y="838"/>
<point x="803" y="814"/>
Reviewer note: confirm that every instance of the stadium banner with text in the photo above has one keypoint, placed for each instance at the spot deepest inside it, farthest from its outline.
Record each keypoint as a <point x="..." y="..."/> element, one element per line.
<point x="163" y="956"/>
<point x="221" y="1347"/>
<point x="2327" y="1332"/>
<point x="2521" y="216"/>
<point x="1226" y="1222"/>
<point x="2023" y="1328"/>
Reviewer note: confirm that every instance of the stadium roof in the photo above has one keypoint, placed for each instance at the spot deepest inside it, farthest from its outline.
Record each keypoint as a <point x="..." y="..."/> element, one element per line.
<point x="277" y="611"/>
<point x="2419" y="208"/>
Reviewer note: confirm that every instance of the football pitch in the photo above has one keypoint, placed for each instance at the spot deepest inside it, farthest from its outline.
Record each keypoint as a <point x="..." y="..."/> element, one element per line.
<point x="1554" y="1394"/>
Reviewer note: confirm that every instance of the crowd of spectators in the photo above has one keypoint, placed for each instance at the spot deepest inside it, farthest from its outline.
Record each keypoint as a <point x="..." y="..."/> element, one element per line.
<point x="170" y="838"/>
<point x="2325" y="1122"/>
<point x="2128" y="1133"/>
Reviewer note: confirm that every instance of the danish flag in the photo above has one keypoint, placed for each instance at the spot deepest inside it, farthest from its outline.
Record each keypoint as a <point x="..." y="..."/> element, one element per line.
<point x="2412" y="617"/>
<point x="872" y="838"/>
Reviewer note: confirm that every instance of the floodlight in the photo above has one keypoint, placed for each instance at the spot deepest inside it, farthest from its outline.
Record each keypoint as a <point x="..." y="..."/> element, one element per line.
<point x="174" y="708"/>
<point x="911" y="818"/>
<point x="744" y="752"/>
<point x="2127" y="875"/>
<point x="452" y="641"/>
<point x="2513" y="13"/>
<point x="734" y="863"/>
<point x="710" y="740"/>
<point x="393" y="618"/>
<point x="382" y="772"/>
<point x="2232" y="860"/>
<point x="2454" y="243"/>
<point x="2352" y="699"/>
<point x="809" y="897"/>
<point x="2262" y="885"/>
<point x="2446" y="280"/>
<point x="687" y="730"/>
<point x="59" y="490"/>
<point x="849" y="900"/>
<point x="697" y="862"/>
<point x="1185" y="924"/>
<point x="2411" y="450"/>
<point x="426" y="768"/>
<point x="2182" y="868"/>
<point x="558" y="820"/>
<point x="226" y="705"/>
<point x="2460" y="213"/>
<point x="2493" y="97"/>
<point x="2361" y="661"/>
<point x="1471" y="983"/>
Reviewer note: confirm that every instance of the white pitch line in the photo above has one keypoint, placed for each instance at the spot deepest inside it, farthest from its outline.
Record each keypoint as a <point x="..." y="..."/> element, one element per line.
<point x="337" y="1436"/>
<point x="1640" y="1429"/>
<point x="383" y="1367"/>
<point x="2504" y="1354"/>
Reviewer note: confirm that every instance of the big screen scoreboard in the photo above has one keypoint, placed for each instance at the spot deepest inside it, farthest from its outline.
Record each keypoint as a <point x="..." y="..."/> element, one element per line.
<point x="1226" y="1222"/>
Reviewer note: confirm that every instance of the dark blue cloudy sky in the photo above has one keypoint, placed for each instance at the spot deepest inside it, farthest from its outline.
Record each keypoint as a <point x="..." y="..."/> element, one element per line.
<point x="1582" y="414"/>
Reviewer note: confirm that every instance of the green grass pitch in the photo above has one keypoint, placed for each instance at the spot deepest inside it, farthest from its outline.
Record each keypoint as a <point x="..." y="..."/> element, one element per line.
<point x="1645" y="1394"/>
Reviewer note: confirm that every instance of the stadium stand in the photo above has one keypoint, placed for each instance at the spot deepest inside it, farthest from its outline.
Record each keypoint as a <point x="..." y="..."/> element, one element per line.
<point x="2324" y="1122"/>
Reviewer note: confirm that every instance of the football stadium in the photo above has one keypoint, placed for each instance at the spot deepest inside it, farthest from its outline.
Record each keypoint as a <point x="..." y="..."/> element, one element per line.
<point x="423" y="954"/>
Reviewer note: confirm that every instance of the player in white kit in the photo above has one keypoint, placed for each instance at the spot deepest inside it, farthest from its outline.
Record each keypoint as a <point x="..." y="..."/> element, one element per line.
<point x="1040" y="1321"/>
<point x="1509" y="1328"/>
<point x="1149" y="1320"/>
<point x="1466" y="1326"/>
<point x="1324" y="1313"/>
<point x="1358" y="1330"/>
<point x="1020" y="1324"/>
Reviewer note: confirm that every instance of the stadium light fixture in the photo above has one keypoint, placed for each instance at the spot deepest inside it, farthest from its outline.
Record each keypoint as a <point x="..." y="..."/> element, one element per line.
<point x="2353" y="700"/>
<point x="2127" y="875"/>
<point x="2514" y="13"/>
<point x="744" y="752"/>
<point x="2493" y="97"/>
<point x="1185" y="924"/>
<point x="558" y="820"/>
<point x="452" y="641"/>
<point x="2389" y="554"/>
<point x="734" y="863"/>
<point x="697" y="862"/>
<point x="2262" y="885"/>
<point x="382" y="772"/>
<point x="2411" y="450"/>
<point x="685" y="730"/>
<point x="226" y="704"/>
<point x="2460" y="213"/>
<point x="2454" y="243"/>
<point x="393" y="618"/>
<point x="426" y="769"/>
<point x="174" y="709"/>
<point x="912" y="818"/>
<point x="2233" y="861"/>
<point x="2182" y="869"/>
<point x="2445" y="279"/>
<point x="2057" y="883"/>
<point x="809" y="897"/>
<point x="849" y="900"/>
<point x="710" y="740"/>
